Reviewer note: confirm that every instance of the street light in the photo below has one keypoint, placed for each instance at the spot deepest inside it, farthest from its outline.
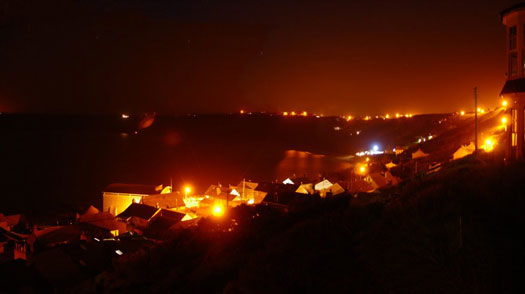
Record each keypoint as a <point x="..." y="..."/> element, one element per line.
<point x="187" y="190"/>
<point x="489" y="145"/>
<point x="218" y="210"/>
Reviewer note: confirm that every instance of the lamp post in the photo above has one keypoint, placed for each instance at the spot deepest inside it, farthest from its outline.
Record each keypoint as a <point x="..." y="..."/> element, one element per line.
<point x="475" y="120"/>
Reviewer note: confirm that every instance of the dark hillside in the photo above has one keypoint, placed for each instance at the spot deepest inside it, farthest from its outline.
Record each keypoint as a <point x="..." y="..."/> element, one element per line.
<point x="458" y="230"/>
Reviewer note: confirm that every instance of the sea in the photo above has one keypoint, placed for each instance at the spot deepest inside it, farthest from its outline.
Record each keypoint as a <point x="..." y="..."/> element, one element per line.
<point x="61" y="163"/>
<point x="53" y="164"/>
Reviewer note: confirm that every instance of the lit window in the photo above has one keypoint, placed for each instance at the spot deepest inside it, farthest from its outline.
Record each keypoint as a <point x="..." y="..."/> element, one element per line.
<point x="512" y="38"/>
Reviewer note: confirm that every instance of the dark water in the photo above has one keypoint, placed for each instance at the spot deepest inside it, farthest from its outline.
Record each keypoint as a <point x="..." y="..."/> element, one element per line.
<point x="60" y="163"/>
<point x="52" y="163"/>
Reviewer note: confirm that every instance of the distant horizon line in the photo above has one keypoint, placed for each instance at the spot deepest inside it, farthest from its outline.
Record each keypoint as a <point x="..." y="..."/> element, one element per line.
<point x="298" y="114"/>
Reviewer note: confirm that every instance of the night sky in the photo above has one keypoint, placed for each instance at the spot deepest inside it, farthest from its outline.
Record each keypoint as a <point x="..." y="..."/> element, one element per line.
<point x="173" y="57"/>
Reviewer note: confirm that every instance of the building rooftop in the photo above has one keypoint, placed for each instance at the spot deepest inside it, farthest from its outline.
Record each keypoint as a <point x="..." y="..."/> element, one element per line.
<point x="513" y="86"/>
<point x="133" y="189"/>
<point x="168" y="200"/>
<point x="138" y="210"/>
<point x="518" y="6"/>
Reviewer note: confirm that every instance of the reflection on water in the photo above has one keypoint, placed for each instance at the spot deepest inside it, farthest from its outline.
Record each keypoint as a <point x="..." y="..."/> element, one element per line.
<point x="305" y="164"/>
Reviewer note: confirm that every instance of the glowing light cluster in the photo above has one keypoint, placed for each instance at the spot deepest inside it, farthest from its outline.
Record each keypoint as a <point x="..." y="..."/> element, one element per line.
<point x="218" y="210"/>
<point x="407" y="115"/>
<point x="373" y="151"/>
<point x="293" y="113"/>
<point x="192" y="201"/>
<point x="489" y="144"/>
<point x="125" y="116"/>
<point x="361" y="169"/>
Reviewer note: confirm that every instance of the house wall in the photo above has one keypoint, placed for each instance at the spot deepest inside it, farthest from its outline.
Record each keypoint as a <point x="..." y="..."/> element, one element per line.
<point x="116" y="203"/>
<point x="515" y="20"/>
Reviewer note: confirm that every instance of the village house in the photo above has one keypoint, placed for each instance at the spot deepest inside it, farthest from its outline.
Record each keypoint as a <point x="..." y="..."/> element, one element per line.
<point x="307" y="189"/>
<point x="173" y="200"/>
<point x="248" y="192"/>
<point x="219" y="195"/>
<point x="10" y="222"/>
<point x="137" y="216"/>
<point x="104" y="220"/>
<point x="161" y="223"/>
<point x="325" y="188"/>
<point x="13" y="245"/>
<point x="117" y="197"/>
<point x="514" y="88"/>
<point x="380" y="179"/>
<point x="280" y="196"/>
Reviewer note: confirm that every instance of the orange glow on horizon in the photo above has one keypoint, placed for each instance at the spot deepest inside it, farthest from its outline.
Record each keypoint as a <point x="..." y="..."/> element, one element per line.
<point x="242" y="111"/>
<point x="305" y="113"/>
<point x="293" y="113"/>
<point x="285" y="113"/>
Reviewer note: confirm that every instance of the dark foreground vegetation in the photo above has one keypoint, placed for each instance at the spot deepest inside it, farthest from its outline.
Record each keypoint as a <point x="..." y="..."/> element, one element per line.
<point x="456" y="231"/>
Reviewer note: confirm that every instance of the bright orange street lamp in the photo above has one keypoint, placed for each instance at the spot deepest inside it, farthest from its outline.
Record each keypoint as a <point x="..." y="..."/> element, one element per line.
<point x="218" y="210"/>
